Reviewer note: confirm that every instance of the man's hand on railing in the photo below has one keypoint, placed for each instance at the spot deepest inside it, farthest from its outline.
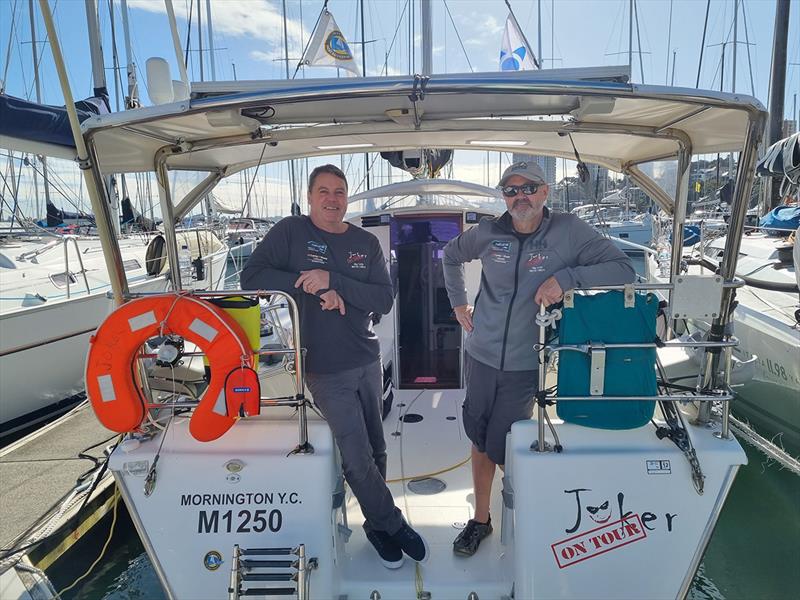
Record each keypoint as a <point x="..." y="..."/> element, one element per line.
<point x="549" y="292"/>
<point x="464" y="316"/>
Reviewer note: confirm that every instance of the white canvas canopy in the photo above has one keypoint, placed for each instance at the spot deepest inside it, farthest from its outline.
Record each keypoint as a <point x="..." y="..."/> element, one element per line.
<point x="424" y="187"/>
<point x="224" y="127"/>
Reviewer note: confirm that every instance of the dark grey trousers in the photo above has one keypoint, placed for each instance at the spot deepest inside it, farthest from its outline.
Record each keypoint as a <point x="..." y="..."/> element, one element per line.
<point x="351" y="402"/>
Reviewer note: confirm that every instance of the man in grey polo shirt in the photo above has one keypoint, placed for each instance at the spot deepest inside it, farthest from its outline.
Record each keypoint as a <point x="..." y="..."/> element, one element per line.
<point x="529" y="257"/>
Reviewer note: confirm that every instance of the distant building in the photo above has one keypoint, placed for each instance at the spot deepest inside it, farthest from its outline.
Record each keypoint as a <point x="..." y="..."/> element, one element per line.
<point x="789" y="127"/>
<point x="548" y="164"/>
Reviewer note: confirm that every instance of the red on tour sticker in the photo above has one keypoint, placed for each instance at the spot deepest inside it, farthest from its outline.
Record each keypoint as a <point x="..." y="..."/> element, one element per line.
<point x="588" y="544"/>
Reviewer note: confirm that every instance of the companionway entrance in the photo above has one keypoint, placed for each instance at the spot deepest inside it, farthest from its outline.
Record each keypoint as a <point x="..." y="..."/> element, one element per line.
<point x="429" y="336"/>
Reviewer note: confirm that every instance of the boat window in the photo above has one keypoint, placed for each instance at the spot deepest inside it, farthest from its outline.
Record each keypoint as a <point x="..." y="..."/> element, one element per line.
<point x="131" y="264"/>
<point x="60" y="279"/>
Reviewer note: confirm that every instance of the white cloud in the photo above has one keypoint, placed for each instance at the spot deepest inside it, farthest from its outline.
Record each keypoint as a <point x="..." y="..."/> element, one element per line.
<point x="254" y="19"/>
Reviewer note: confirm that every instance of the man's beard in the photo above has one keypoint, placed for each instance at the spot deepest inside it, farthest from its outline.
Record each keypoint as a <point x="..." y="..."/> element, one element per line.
<point x="522" y="209"/>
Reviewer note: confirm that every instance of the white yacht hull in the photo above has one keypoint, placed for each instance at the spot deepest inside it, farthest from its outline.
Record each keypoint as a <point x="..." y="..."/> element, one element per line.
<point x="43" y="354"/>
<point x="247" y="489"/>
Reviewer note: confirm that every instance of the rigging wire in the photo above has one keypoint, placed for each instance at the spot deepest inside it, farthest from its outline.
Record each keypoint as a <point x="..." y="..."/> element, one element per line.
<point x="8" y="47"/>
<point x="394" y="37"/>
<point x="703" y="44"/>
<point x="458" y="35"/>
<point x="747" y="45"/>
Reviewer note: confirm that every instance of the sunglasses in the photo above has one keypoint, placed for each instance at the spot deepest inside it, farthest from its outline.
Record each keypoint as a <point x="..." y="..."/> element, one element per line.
<point x="509" y="191"/>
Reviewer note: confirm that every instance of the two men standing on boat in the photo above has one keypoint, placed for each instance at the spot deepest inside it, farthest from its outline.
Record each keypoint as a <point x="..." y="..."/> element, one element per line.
<point x="338" y="275"/>
<point x="529" y="257"/>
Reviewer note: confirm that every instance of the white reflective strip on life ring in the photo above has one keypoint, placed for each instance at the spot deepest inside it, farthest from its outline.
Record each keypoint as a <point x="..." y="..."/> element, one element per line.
<point x="203" y="329"/>
<point x="106" y="385"/>
<point x="219" y="406"/>
<point x="141" y="321"/>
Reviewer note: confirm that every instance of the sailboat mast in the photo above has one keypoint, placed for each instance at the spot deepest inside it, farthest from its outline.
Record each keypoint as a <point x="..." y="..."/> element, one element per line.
<point x="210" y="42"/>
<point x="292" y="182"/>
<point x="630" y="36"/>
<point x="132" y="99"/>
<point x="101" y="90"/>
<point x="541" y="61"/>
<point x="38" y="87"/>
<point x="735" y="41"/>
<point x="370" y="204"/>
<point x="427" y="37"/>
<point x="200" y="37"/>
<point x="777" y="88"/>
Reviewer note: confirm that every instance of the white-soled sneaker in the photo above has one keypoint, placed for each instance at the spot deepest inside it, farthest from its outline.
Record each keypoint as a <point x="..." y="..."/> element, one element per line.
<point x="391" y="555"/>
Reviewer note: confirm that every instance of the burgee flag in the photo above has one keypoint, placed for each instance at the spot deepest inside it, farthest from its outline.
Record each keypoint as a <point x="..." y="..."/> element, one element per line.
<point x="328" y="48"/>
<point x="514" y="52"/>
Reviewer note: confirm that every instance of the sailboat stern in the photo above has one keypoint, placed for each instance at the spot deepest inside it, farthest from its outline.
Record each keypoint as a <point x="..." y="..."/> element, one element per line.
<point x="616" y="514"/>
<point x="193" y="502"/>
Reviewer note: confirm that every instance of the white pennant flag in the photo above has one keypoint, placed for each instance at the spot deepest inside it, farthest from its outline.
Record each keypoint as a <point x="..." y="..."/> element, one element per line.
<point x="328" y="48"/>
<point x="514" y="52"/>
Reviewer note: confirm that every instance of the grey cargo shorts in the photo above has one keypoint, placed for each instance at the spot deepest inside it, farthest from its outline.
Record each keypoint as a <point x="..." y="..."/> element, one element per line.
<point x="494" y="401"/>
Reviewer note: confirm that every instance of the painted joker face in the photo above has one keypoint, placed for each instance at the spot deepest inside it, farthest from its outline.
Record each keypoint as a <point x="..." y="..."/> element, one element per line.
<point x="599" y="514"/>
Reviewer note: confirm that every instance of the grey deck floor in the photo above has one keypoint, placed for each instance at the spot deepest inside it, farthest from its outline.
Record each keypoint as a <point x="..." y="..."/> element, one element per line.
<point x="39" y="470"/>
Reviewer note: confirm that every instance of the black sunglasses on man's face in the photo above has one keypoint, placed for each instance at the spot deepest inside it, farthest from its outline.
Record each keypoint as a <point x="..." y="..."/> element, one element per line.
<point x="509" y="191"/>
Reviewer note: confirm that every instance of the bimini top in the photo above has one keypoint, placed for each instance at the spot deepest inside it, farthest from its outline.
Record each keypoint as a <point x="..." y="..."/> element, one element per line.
<point x="226" y="127"/>
<point x="425" y="187"/>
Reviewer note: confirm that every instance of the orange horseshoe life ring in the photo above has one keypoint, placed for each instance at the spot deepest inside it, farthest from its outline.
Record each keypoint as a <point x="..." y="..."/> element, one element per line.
<point x="112" y="381"/>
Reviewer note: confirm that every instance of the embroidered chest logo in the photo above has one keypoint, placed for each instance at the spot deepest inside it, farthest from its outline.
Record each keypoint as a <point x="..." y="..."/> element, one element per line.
<point x="356" y="260"/>
<point x="535" y="262"/>
<point x="500" y="251"/>
<point x="316" y="252"/>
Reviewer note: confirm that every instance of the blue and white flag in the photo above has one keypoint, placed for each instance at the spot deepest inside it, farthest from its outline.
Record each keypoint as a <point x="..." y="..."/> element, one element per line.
<point x="328" y="48"/>
<point x="514" y="52"/>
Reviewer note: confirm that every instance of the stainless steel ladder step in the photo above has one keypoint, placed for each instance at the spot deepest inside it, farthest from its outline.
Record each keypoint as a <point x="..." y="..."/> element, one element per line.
<point x="243" y="572"/>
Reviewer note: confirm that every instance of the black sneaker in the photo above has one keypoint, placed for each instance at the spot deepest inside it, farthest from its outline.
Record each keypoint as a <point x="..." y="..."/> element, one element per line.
<point x="391" y="555"/>
<point x="467" y="542"/>
<point x="411" y="543"/>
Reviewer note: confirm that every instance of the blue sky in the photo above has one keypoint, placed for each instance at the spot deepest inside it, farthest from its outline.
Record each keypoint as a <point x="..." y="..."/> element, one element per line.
<point x="249" y="35"/>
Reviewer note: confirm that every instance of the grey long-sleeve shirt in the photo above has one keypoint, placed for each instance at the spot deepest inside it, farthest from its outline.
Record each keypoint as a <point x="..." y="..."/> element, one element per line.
<point x="513" y="267"/>
<point x="357" y="272"/>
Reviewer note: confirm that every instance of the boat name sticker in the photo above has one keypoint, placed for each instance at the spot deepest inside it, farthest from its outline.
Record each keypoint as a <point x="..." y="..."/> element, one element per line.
<point x="316" y="252"/>
<point x="244" y="520"/>
<point x="600" y="540"/>
<point x="141" y="321"/>
<point x="603" y="534"/>
<point x="658" y="467"/>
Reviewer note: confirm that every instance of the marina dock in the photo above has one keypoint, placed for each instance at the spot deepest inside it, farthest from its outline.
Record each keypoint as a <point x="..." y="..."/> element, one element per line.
<point x="47" y="477"/>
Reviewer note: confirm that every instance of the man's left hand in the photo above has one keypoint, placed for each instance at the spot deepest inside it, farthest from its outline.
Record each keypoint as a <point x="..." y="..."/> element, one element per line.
<point x="313" y="281"/>
<point x="549" y="292"/>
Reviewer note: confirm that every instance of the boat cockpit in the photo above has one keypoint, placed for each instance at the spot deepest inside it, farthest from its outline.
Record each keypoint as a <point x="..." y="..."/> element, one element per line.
<point x="244" y="495"/>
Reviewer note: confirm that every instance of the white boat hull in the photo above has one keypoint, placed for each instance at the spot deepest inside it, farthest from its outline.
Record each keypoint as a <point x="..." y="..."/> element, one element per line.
<point x="202" y="506"/>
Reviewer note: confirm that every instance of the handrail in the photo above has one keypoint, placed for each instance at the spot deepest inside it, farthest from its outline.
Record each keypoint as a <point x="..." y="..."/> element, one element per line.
<point x="62" y="241"/>
<point x="73" y="239"/>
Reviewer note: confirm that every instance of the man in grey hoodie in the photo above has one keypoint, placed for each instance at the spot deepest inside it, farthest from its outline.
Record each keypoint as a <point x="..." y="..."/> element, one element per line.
<point x="529" y="257"/>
